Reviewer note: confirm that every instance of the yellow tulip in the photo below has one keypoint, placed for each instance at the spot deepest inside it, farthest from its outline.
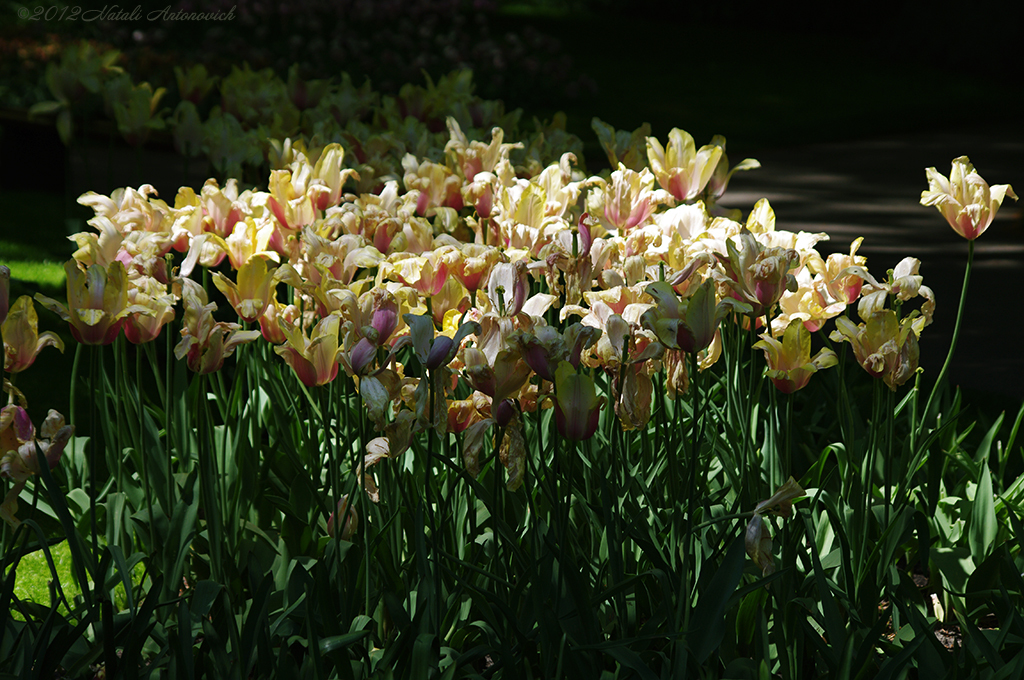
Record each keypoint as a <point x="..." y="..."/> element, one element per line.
<point x="790" y="365"/>
<point x="967" y="202"/>
<point x="21" y="338"/>
<point x="681" y="169"/>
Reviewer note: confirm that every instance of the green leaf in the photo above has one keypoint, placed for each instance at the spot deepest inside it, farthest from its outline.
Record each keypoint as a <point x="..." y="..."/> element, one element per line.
<point x="982" y="526"/>
<point x="708" y="628"/>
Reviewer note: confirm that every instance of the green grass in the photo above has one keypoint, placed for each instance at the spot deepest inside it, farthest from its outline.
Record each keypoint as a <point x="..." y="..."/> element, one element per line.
<point x="43" y="274"/>
<point x="32" y="580"/>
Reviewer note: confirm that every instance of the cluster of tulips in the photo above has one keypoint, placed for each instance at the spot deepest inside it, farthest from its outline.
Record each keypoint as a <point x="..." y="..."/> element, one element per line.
<point x="490" y="278"/>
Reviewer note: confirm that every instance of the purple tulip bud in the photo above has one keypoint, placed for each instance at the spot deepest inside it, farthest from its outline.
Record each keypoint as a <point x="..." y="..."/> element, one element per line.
<point x="362" y="354"/>
<point x="440" y="352"/>
<point x="504" y="412"/>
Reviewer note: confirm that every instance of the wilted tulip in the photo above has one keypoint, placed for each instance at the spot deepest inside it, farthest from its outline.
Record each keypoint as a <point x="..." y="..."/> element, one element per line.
<point x="967" y="202"/>
<point x="880" y="345"/>
<point x="759" y="544"/>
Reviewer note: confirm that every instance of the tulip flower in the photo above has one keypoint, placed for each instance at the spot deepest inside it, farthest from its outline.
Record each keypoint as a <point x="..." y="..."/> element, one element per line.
<point x="471" y="158"/>
<point x="719" y="180"/>
<point x="21" y="339"/>
<point x="206" y="343"/>
<point x="315" y="359"/>
<point x="790" y="365"/>
<point x="681" y="169"/>
<point x="18" y="455"/>
<point x="757" y="275"/>
<point x="577" y="406"/>
<point x="881" y="345"/>
<point x="349" y="525"/>
<point x="756" y="538"/>
<point x="630" y="198"/>
<point x="147" y="292"/>
<point x="97" y="302"/>
<point x="250" y="297"/>
<point x="966" y="200"/>
<point x="688" y="324"/>
<point x="544" y="348"/>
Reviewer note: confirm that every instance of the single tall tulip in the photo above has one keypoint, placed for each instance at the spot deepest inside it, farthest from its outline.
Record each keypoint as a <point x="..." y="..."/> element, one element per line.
<point x="967" y="202"/>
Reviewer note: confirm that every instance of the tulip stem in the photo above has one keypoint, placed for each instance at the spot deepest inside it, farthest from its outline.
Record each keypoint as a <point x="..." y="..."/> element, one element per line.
<point x="926" y="414"/>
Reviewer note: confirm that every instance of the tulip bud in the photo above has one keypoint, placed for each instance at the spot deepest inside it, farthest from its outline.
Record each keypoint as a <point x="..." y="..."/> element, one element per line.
<point x="351" y="523"/>
<point x="504" y="412"/>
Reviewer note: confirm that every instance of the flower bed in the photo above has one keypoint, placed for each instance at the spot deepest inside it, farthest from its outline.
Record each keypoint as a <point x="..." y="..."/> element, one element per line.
<point x="502" y="417"/>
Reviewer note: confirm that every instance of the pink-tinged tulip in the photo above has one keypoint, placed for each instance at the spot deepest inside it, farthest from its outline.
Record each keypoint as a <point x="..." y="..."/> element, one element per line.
<point x="790" y="365"/>
<point x="147" y="292"/>
<point x="426" y="273"/>
<point x="250" y="297"/>
<point x="21" y="338"/>
<point x="463" y="413"/>
<point x="269" y="322"/>
<point x="577" y="407"/>
<point x="349" y="525"/>
<point x="206" y="343"/>
<point x="630" y="198"/>
<point x="97" y="302"/>
<point x="329" y="178"/>
<point x="757" y="275"/>
<point x="18" y="456"/>
<point x="315" y="360"/>
<point x="473" y="265"/>
<point x="437" y="185"/>
<point x="966" y="200"/>
<point x="681" y="169"/>
<point x="5" y="291"/>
